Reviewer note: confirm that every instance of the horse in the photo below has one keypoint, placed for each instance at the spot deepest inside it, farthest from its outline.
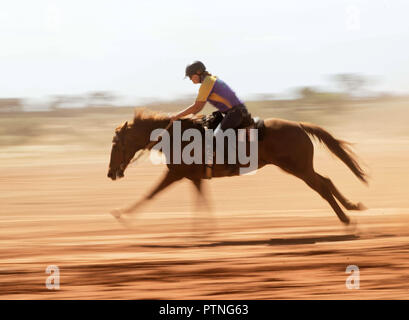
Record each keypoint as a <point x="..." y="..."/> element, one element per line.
<point x="286" y="144"/>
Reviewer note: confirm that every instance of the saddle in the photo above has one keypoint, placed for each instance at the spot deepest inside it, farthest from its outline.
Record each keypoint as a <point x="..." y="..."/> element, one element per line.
<point x="211" y="121"/>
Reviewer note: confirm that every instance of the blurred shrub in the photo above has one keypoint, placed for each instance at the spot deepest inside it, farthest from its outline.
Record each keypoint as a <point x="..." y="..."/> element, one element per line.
<point x="311" y="96"/>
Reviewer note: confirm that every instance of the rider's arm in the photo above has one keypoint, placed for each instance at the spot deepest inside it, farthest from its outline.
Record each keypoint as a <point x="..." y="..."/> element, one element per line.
<point x="193" y="109"/>
<point x="204" y="92"/>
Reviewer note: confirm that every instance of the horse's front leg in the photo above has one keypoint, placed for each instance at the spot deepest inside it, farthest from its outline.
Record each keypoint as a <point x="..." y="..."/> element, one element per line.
<point x="201" y="201"/>
<point x="199" y="222"/>
<point x="166" y="181"/>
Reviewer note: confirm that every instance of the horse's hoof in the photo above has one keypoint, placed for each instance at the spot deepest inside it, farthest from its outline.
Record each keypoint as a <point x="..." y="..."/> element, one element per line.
<point x="356" y="206"/>
<point x="346" y="220"/>
<point x="351" y="226"/>
<point x="116" y="213"/>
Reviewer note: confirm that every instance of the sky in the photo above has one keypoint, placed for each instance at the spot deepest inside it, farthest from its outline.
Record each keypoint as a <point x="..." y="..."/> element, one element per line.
<point x="139" y="49"/>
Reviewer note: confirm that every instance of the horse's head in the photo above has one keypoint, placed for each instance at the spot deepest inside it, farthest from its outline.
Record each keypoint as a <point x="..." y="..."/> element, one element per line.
<point x="131" y="138"/>
<point x="121" y="153"/>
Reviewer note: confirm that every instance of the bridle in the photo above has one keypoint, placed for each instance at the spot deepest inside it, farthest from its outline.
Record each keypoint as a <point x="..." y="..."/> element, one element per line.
<point x="117" y="140"/>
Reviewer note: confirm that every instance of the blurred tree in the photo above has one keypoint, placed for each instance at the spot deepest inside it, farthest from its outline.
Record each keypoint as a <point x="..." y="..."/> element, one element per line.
<point x="264" y="96"/>
<point x="314" y="96"/>
<point x="100" y="98"/>
<point x="11" y="104"/>
<point x="307" y="93"/>
<point x="56" y="102"/>
<point x="351" y="83"/>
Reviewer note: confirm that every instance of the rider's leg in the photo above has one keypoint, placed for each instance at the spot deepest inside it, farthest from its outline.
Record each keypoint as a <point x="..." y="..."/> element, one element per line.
<point x="231" y="120"/>
<point x="209" y="145"/>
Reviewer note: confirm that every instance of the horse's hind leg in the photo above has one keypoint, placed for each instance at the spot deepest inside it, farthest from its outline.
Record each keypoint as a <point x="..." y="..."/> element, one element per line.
<point x="315" y="181"/>
<point x="349" y="205"/>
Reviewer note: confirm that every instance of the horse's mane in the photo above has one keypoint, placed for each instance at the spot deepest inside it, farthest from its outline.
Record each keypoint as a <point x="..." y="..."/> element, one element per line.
<point x="144" y="114"/>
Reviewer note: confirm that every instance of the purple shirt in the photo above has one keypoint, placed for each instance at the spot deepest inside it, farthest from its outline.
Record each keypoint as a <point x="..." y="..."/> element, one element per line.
<point x="218" y="93"/>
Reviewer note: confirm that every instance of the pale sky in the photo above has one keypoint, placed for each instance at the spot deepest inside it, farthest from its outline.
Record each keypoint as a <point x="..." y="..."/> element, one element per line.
<point x="140" y="48"/>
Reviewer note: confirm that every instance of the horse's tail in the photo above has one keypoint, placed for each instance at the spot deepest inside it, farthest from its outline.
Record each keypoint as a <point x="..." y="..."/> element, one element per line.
<point x="338" y="147"/>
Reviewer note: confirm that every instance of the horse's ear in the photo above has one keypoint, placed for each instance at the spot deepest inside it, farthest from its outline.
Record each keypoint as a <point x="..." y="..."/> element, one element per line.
<point x="124" y="126"/>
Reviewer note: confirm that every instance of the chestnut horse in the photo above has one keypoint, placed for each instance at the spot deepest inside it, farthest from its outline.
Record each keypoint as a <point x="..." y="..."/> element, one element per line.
<point x="285" y="144"/>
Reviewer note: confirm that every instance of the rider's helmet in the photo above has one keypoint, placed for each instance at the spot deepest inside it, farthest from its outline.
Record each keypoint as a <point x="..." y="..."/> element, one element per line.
<point x="196" y="67"/>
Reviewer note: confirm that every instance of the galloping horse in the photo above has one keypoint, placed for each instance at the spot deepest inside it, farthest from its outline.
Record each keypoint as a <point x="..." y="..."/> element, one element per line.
<point x="286" y="144"/>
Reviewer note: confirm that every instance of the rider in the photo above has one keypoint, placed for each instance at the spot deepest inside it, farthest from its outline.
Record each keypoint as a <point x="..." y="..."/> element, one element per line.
<point x="219" y="94"/>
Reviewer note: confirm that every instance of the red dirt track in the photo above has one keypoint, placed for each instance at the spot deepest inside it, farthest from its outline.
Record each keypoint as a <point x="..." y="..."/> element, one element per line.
<point x="271" y="236"/>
